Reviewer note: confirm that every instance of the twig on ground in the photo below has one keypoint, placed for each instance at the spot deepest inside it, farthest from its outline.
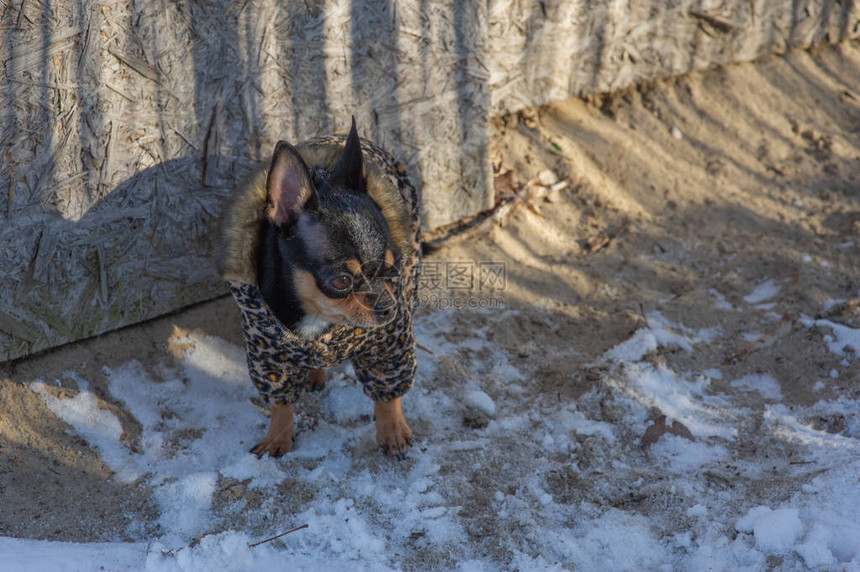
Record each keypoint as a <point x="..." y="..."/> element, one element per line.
<point x="278" y="536"/>
<point x="420" y="347"/>
<point x="765" y="341"/>
<point x="460" y="231"/>
<point x="600" y="241"/>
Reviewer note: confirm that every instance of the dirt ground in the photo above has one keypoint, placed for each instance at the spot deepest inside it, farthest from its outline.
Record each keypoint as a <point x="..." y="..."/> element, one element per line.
<point x="684" y="196"/>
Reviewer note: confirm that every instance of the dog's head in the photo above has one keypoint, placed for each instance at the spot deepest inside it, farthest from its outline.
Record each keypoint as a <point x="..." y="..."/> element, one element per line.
<point x="333" y="238"/>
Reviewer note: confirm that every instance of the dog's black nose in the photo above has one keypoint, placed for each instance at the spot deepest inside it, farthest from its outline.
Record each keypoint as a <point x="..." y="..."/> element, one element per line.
<point x="384" y="308"/>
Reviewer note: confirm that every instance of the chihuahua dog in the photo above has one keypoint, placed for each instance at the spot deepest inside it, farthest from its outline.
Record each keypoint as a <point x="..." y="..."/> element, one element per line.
<point x="322" y="257"/>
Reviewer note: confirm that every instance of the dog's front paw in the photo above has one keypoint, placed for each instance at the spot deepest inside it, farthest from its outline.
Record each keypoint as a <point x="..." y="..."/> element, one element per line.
<point x="392" y="432"/>
<point x="279" y="438"/>
<point x="274" y="447"/>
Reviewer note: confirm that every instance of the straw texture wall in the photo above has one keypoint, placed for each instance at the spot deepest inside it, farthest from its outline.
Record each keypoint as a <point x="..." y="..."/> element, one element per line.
<point x="547" y="51"/>
<point x="125" y="124"/>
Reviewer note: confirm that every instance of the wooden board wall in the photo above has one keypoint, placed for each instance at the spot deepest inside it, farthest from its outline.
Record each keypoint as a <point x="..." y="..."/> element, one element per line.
<point x="125" y="124"/>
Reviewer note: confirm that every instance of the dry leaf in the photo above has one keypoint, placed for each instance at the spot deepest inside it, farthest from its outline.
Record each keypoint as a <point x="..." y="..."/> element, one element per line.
<point x="504" y="183"/>
<point x="596" y="243"/>
<point x="659" y="428"/>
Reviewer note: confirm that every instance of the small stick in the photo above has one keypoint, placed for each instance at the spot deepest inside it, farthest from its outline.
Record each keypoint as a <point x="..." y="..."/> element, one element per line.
<point x="480" y="223"/>
<point x="420" y="347"/>
<point x="277" y="537"/>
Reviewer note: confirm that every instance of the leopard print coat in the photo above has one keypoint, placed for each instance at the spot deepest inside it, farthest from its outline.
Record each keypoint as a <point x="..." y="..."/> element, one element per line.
<point x="279" y="360"/>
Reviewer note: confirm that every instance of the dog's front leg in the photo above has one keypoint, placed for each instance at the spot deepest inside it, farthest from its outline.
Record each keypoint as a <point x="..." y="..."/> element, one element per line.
<point x="279" y="439"/>
<point x="392" y="433"/>
<point x="316" y="380"/>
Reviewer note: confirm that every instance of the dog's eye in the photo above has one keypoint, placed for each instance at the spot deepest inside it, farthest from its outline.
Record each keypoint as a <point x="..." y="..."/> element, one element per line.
<point x="342" y="282"/>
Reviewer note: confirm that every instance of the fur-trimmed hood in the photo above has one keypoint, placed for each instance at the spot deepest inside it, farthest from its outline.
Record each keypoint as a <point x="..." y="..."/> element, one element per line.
<point x="241" y="223"/>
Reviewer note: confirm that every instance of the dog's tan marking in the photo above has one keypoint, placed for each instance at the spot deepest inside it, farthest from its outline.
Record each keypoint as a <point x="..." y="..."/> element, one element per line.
<point x="314" y="302"/>
<point x="316" y="380"/>
<point x="279" y="438"/>
<point x="357" y="308"/>
<point x="392" y="432"/>
<point x="389" y="259"/>
<point x="353" y="266"/>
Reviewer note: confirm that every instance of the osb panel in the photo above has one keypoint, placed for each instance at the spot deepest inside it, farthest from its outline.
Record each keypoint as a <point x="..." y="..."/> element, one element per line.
<point x="125" y="124"/>
<point x="542" y="51"/>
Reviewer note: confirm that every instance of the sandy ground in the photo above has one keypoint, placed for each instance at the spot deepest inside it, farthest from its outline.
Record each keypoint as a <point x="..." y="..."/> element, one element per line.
<point x="685" y="197"/>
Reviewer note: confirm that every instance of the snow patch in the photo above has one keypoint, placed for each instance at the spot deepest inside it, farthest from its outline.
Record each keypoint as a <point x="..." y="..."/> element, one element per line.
<point x="660" y="332"/>
<point x="479" y="400"/>
<point x="680" y="455"/>
<point x="775" y="531"/>
<point x="528" y="465"/>
<point x="764" y="291"/>
<point x="678" y="398"/>
<point x="766" y="385"/>
<point x="99" y="427"/>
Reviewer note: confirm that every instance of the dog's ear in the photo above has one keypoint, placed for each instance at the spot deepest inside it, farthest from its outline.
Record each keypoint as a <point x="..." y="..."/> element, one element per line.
<point x="289" y="188"/>
<point x="350" y="169"/>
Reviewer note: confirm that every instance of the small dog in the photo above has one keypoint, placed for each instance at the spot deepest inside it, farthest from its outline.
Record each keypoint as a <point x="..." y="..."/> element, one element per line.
<point x="322" y="254"/>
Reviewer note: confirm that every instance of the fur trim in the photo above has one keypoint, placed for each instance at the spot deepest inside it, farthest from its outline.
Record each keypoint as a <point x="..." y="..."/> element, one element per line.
<point x="241" y="228"/>
<point x="247" y="208"/>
